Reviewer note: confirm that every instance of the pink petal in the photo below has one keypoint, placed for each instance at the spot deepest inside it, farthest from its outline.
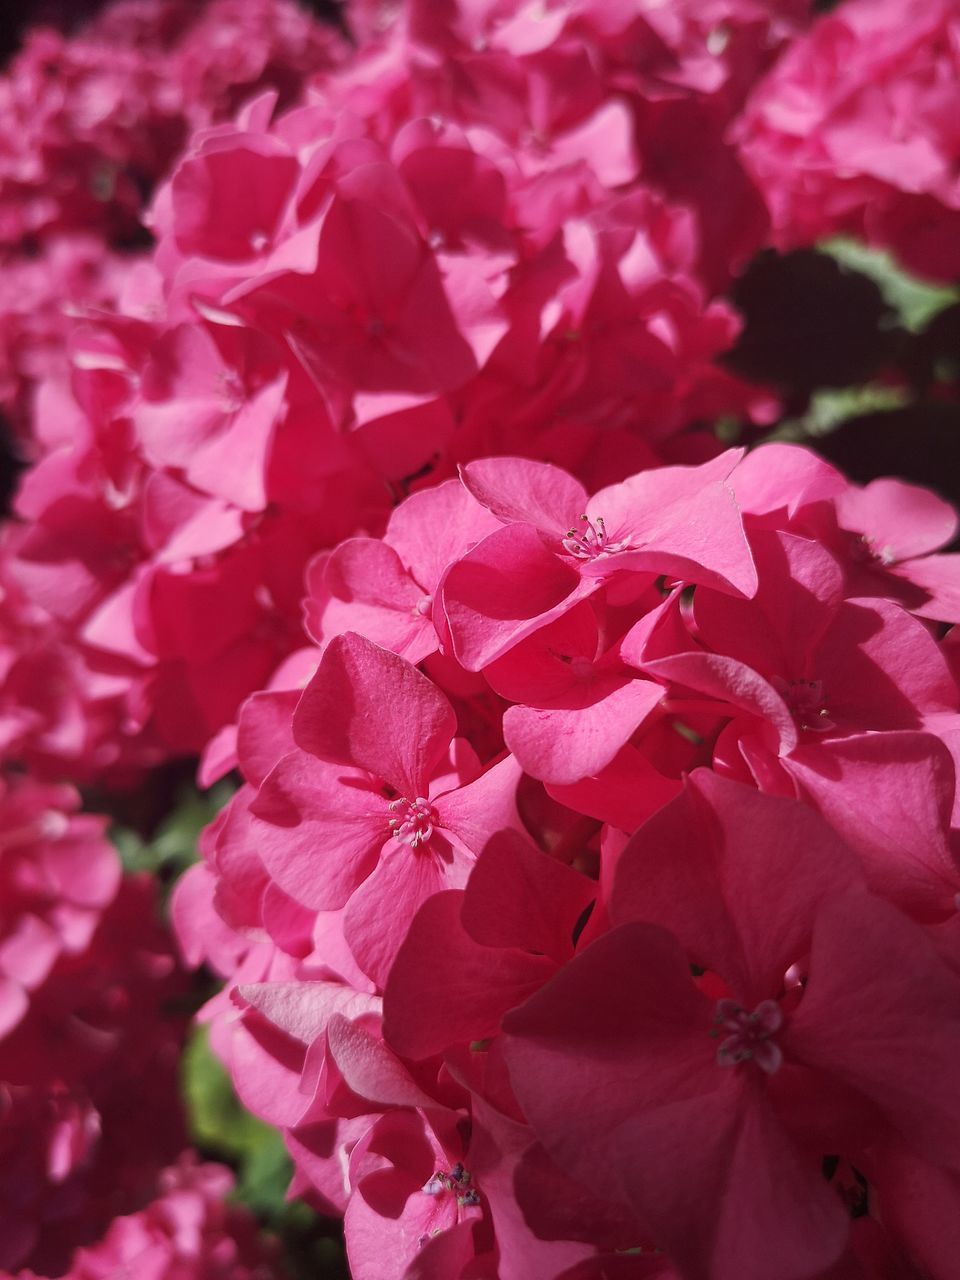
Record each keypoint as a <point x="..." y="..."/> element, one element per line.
<point x="367" y="707"/>
<point x="900" y="520"/>
<point x="445" y="988"/>
<point x="503" y="590"/>
<point x="737" y="876"/>
<point x="564" y="744"/>
<point x="890" y="796"/>
<point x="264" y="732"/>
<point x="369" y="1068"/>
<point x="434" y="527"/>
<point x="319" y="829"/>
<point x="518" y="490"/>
<point x="800" y="589"/>
<point x="483" y="807"/>
<point x="882" y="669"/>
<point x="302" y="1009"/>
<point x="732" y="682"/>
<point x="699" y="1156"/>
<point x="784" y="477"/>
<point x="379" y="913"/>
<point x="519" y="897"/>
<point x="367" y="590"/>
<point x="624" y="794"/>
<point x="882" y="1012"/>
<point x="939" y="576"/>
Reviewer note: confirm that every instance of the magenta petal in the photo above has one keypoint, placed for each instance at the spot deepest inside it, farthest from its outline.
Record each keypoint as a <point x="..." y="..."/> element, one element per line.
<point x="14" y="1003"/>
<point x="778" y="1216"/>
<point x="518" y="490"/>
<point x="890" y="796"/>
<point x="729" y="681"/>
<point x="366" y="589"/>
<point x="518" y="896"/>
<point x="783" y="477"/>
<point x="264" y="732"/>
<point x="626" y="1015"/>
<point x="369" y="1068"/>
<point x="445" y="988"/>
<point x="939" y="576"/>
<point x="319" y="829"/>
<point x="737" y="876"/>
<point x="366" y="571"/>
<point x="694" y="1149"/>
<point x="387" y="1215"/>
<point x="379" y="913"/>
<point x="434" y="527"/>
<point x="444" y="1256"/>
<point x="882" y="1012"/>
<point x="546" y="665"/>
<point x="564" y="744"/>
<point x="625" y="794"/>
<point x="899" y="520"/>
<point x="800" y="589"/>
<point x="303" y="1009"/>
<point x="884" y="668"/>
<point x="483" y="807"/>
<point x="507" y="587"/>
<point x="369" y="708"/>
<point x="678" y="521"/>
<point x="232" y="463"/>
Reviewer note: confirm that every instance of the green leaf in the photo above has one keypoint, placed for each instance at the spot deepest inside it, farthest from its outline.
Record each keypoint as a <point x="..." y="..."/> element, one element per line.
<point x="220" y="1125"/>
<point x="915" y="301"/>
<point x="830" y="408"/>
<point x="173" y="846"/>
<point x="216" y="1120"/>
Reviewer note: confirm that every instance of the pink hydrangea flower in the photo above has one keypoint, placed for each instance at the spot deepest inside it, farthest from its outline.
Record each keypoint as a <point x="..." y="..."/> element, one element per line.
<point x="791" y="1020"/>
<point x="187" y="1232"/>
<point x="869" y="152"/>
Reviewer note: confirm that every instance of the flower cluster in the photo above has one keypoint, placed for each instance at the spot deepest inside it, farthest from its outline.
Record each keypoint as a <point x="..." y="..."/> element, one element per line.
<point x="853" y="131"/>
<point x="90" y="124"/>
<point x="86" y="984"/>
<point x="431" y="267"/>
<point x="589" y="906"/>
<point x="597" y="894"/>
<point x="186" y="1231"/>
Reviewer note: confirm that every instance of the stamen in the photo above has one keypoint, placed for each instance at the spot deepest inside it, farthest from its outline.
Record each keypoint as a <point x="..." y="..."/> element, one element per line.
<point x="591" y="541"/>
<point x="749" y="1038"/>
<point x="805" y="698"/>
<point x="416" y="821"/>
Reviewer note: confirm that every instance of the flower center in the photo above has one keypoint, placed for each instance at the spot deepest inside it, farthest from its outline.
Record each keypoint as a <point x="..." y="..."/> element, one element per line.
<point x="590" y="541"/>
<point x="414" y="820"/>
<point x="806" y="702"/>
<point x="458" y="1180"/>
<point x="748" y="1037"/>
<point x="865" y="551"/>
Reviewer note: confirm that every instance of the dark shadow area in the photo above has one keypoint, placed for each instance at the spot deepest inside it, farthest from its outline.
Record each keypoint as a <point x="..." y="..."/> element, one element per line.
<point x="920" y="443"/>
<point x="12" y="464"/>
<point x="809" y="323"/>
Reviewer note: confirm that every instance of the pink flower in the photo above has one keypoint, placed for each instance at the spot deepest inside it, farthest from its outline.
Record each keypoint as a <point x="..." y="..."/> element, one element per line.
<point x="713" y="1101"/>
<point x="370" y="781"/>
<point x="558" y="547"/>
<point x="58" y="875"/>
<point x="186" y="1233"/>
<point x="385" y="588"/>
<point x="869" y="152"/>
